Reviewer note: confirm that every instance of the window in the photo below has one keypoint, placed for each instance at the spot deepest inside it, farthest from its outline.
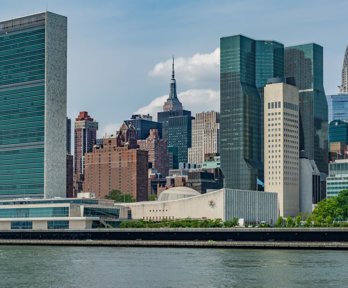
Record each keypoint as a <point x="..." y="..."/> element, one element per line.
<point x="21" y="225"/>
<point x="57" y="224"/>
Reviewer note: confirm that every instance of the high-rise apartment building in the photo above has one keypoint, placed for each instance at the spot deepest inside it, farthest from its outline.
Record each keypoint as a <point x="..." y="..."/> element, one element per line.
<point x="245" y="65"/>
<point x="304" y="63"/>
<point x="281" y="145"/>
<point x="33" y="71"/>
<point x="176" y="126"/>
<point x="157" y="149"/>
<point x="143" y="124"/>
<point x="205" y="136"/>
<point x="117" y="164"/>
<point x="85" y="137"/>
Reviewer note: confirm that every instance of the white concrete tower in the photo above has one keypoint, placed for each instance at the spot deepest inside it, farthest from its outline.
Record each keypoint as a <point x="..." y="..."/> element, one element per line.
<point x="281" y="145"/>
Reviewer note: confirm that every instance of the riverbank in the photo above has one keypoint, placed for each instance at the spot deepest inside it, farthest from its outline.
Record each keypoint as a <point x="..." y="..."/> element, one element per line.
<point x="183" y="244"/>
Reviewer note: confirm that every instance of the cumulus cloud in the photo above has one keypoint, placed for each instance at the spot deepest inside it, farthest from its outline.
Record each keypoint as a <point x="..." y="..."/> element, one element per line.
<point x="195" y="100"/>
<point x="199" y="70"/>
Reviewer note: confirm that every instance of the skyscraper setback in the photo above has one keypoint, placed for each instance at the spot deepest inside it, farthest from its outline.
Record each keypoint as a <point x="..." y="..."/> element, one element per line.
<point x="33" y="71"/>
<point x="85" y="137"/>
<point x="245" y="66"/>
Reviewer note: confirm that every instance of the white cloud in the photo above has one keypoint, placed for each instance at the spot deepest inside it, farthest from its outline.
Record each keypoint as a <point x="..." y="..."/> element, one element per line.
<point x="199" y="70"/>
<point x="195" y="100"/>
<point x="108" y="129"/>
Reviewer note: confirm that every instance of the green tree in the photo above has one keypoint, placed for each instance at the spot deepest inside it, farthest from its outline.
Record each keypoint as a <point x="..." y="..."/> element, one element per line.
<point x="308" y="222"/>
<point x="290" y="222"/>
<point x="298" y="220"/>
<point x="279" y="222"/>
<point x="118" y="196"/>
<point x="231" y="223"/>
<point x="152" y="197"/>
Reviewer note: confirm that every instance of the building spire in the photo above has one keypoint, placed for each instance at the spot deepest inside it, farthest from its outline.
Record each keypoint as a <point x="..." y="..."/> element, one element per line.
<point x="173" y="72"/>
<point x="344" y="84"/>
<point x="172" y="103"/>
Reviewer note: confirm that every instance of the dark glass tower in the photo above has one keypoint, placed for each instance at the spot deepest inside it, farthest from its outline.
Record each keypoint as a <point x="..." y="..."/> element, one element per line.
<point x="176" y="126"/>
<point x="305" y="64"/>
<point x="245" y="66"/>
<point x="269" y="63"/>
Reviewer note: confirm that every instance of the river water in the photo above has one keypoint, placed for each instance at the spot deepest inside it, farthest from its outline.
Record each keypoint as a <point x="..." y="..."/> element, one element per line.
<point x="50" y="266"/>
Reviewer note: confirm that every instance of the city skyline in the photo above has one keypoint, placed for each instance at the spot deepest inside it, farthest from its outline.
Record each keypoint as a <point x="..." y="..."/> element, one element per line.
<point x="114" y="32"/>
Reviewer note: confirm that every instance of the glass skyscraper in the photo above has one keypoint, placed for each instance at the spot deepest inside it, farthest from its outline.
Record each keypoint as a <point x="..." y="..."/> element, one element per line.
<point x="245" y="66"/>
<point x="338" y="104"/>
<point x="338" y="131"/>
<point x="33" y="106"/>
<point x="338" y="107"/>
<point x="305" y="64"/>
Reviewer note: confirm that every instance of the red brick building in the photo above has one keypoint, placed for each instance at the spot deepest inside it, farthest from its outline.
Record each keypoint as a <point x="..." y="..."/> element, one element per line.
<point x="117" y="164"/>
<point x="85" y="137"/>
<point x="158" y="152"/>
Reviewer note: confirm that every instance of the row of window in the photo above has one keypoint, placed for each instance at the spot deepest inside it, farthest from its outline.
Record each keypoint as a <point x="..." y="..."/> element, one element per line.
<point x="274" y="105"/>
<point x="290" y="106"/>
<point x="29" y="225"/>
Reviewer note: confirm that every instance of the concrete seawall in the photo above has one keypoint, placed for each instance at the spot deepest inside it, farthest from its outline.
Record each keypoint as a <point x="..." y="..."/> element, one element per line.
<point x="295" y="238"/>
<point x="184" y="244"/>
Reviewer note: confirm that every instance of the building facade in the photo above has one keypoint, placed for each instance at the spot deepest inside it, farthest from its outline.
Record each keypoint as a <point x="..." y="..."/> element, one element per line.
<point x="33" y="72"/>
<point x="338" y="107"/>
<point x="224" y="204"/>
<point x="143" y="124"/>
<point x="281" y="145"/>
<point x="157" y="149"/>
<point x="304" y="63"/>
<point x="338" y="178"/>
<point x="310" y="190"/>
<point x="118" y="164"/>
<point x="245" y="65"/>
<point x="205" y="136"/>
<point x="85" y="137"/>
<point x="47" y="214"/>
<point x="176" y="126"/>
<point x="338" y="131"/>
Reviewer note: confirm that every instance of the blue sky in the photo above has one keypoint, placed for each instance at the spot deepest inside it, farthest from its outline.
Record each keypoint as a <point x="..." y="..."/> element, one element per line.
<point x="119" y="51"/>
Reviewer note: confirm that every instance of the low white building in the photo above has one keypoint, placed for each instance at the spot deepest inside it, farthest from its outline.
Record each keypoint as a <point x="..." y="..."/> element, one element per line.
<point x="59" y="213"/>
<point x="224" y="204"/>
